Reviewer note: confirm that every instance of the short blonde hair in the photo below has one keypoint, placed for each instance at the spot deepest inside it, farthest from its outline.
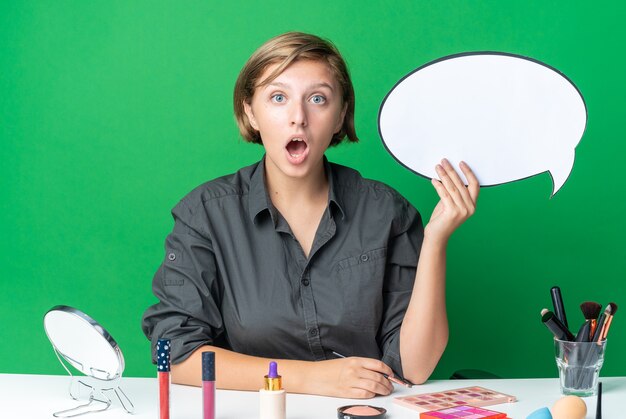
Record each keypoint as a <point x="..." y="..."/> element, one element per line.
<point x="284" y="50"/>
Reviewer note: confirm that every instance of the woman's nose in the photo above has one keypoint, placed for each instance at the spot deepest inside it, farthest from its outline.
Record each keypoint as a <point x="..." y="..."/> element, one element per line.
<point x="298" y="114"/>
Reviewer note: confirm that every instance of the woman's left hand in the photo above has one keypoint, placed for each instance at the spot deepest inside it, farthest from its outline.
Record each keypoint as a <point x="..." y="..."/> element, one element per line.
<point x="457" y="201"/>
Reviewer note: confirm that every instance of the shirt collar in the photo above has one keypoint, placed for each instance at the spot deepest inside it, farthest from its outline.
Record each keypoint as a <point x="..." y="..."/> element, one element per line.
<point x="333" y="197"/>
<point x="259" y="201"/>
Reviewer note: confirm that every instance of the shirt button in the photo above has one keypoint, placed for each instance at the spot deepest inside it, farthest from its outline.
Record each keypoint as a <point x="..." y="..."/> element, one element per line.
<point x="305" y="282"/>
<point x="171" y="256"/>
<point x="364" y="258"/>
<point x="313" y="332"/>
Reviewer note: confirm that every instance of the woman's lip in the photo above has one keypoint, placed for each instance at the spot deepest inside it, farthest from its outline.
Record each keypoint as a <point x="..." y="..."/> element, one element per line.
<point x="293" y="137"/>
<point x="297" y="158"/>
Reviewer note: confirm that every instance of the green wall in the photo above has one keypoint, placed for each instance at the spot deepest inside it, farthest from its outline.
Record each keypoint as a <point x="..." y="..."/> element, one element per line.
<point x="111" y="111"/>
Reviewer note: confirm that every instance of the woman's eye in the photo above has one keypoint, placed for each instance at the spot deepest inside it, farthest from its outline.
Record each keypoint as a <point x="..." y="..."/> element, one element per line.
<point x="278" y="98"/>
<point x="318" y="99"/>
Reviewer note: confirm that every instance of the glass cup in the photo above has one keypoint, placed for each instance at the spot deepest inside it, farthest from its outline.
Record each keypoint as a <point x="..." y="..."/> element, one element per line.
<point x="579" y="366"/>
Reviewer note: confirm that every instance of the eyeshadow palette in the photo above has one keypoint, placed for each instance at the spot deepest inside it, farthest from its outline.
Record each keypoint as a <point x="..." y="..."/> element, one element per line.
<point x="467" y="396"/>
<point x="464" y="412"/>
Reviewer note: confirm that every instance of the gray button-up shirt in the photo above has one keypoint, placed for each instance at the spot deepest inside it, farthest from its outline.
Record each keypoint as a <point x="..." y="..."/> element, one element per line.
<point x="235" y="276"/>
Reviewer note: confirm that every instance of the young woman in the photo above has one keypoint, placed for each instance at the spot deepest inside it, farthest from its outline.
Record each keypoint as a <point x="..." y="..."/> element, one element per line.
<point x="296" y="259"/>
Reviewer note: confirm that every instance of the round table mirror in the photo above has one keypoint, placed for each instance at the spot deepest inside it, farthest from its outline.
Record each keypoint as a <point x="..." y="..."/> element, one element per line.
<point x="84" y="344"/>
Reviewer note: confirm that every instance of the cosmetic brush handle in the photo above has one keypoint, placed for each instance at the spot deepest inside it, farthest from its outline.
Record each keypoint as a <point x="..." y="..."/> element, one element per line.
<point x="591" y="352"/>
<point x="583" y="332"/>
<point x="557" y="302"/>
<point x="598" y="333"/>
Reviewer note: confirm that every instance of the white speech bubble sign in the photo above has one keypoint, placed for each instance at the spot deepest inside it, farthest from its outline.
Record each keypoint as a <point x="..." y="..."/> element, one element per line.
<point x="509" y="117"/>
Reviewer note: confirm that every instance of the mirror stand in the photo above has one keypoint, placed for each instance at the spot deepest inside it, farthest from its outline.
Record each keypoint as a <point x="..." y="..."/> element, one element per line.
<point x="98" y="400"/>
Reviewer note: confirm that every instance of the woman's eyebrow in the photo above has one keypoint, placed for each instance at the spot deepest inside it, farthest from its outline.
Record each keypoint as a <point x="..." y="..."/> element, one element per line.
<point x="278" y="84"/>
<point x="312" y="86"/>
<point x="322" y="84"/>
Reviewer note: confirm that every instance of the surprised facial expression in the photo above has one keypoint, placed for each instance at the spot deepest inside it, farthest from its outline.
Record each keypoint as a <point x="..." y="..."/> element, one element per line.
<point x="296" y="115"/>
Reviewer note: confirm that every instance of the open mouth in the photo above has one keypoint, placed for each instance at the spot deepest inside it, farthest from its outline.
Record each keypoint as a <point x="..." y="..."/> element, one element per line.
<point x="296" y="147"/>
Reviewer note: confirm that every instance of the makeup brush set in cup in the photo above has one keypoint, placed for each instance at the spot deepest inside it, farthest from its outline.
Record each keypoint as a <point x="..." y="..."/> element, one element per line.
<point x="579" y="357"/>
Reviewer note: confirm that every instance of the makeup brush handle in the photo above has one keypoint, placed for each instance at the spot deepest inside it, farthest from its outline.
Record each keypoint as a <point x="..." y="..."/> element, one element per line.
<point x="599" y="327"/>
<point x="557" y="302"/>
<point x="583" y="332"/>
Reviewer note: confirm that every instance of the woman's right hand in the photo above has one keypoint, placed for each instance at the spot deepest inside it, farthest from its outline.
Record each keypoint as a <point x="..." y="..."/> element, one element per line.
<point x="353" y="377"/>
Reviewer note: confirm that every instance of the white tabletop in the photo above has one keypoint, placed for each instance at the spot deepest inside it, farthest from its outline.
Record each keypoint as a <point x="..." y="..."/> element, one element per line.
<point x="37" y="396"/>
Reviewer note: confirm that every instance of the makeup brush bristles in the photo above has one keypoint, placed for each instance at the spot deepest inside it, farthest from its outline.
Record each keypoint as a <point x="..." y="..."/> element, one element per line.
<point x="604" y="322"/>
<point x="590" y="309"/>
<point x="613" y="308"/>
<point x="610" y="312"/>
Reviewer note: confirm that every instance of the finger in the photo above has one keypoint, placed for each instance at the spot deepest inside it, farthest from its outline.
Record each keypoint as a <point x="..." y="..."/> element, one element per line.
<point x="377" y="371"/>
<point x="373" y="386"/>
<point x="376" y="365"/>
<point x="458" y="183"/>
<point x="442" y="192"/>
<point x="472" y="181"/>
<point x="451" y="188"/>
<point x="376" y="377"/>
<point x="359" y="393"/>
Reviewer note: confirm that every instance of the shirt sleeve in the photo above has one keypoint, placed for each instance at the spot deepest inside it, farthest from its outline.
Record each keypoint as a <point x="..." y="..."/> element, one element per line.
<point x="402" y="257"/>
<point x="187" y="289"/>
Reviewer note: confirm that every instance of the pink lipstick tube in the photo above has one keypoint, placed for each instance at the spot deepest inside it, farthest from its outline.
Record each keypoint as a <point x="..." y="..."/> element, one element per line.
<point x="208" y="385"/>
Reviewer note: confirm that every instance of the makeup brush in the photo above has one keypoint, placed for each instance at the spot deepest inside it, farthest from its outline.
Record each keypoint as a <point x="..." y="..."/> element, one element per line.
<point x="590" y="310"/>
<point x="602" y="320"/>
<point x="609" y="320"/>
<point x="590" y="355"/>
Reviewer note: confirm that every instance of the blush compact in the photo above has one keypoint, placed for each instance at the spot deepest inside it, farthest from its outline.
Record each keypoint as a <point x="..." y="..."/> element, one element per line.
<point x="361" y="411"/>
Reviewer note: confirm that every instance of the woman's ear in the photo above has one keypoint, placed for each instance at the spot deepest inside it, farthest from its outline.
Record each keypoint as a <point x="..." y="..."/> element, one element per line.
<point x="248" y="110"/>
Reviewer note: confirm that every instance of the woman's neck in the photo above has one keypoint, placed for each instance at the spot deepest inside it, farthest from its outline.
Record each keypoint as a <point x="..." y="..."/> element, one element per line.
<point x="288" y="191"/>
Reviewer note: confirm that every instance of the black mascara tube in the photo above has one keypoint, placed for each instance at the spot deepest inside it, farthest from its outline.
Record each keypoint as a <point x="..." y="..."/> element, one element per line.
<point x="557" y="328"/>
